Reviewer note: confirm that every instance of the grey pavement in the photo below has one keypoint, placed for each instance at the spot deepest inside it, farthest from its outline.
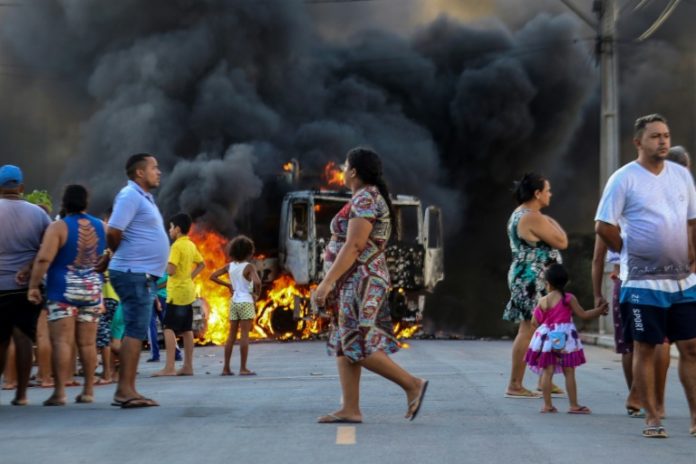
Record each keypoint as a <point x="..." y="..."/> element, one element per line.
<point x="271" y="417"/>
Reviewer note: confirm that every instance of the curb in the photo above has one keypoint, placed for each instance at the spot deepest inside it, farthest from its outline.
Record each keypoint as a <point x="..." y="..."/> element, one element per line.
<point x="607" y="341"/>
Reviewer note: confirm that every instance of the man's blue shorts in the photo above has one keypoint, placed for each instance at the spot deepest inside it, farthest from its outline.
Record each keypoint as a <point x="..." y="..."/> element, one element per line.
<point x="137" y="292"/>
<point x="652" y="324"/>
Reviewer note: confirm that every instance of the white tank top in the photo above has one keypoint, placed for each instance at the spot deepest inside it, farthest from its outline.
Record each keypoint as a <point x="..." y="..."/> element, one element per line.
<point x="242" y="287"/>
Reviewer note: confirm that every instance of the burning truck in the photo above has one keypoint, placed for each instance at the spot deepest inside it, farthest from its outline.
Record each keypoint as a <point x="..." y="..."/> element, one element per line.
<point x="292" y="267"/>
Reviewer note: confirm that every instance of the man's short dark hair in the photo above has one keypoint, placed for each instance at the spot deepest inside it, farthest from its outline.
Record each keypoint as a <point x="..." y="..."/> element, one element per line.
<point x="74" y="199"/>
<point x="136" y="162"/>
<point x="183" y="221"/>
<point x="241" y="248"/>
<point x="639" y="125"/>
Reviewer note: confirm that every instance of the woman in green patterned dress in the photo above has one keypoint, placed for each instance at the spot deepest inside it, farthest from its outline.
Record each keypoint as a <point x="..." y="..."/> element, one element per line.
<point x="535" y="241"/>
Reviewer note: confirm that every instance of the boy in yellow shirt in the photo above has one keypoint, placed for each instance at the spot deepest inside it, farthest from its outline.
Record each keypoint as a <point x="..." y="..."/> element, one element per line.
<point x="185" y="263"/>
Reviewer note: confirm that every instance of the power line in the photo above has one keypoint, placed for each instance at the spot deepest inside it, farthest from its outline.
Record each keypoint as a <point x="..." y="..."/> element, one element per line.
<point x="664" y="16"/>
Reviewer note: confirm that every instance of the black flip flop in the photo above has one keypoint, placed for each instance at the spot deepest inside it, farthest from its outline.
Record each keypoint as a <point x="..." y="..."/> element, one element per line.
<point x="338" y="420"/>
<point x="420" y="401"/>
<point x="138" y="403"/>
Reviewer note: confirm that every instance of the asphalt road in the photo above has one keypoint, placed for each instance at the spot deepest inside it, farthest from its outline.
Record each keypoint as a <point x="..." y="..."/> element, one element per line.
<point x="270" y="418"/>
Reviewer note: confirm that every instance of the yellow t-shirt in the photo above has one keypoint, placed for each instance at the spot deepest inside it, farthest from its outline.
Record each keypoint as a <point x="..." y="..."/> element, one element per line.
<point x="108" y="289"/>
<point x="185" y="256"/>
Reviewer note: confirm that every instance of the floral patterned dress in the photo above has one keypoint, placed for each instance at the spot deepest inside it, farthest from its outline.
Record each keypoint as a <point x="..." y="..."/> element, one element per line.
<point x="526" y="274"/>
<point x="361" y="323"/>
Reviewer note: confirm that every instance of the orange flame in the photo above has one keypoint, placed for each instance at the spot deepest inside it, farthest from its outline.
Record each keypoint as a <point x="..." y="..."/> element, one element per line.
<point x="403" y="331"/>
<point x="287" y="167"/>
<point x="281" y="297"/>
<point x="333" y="175"/>
<point x="284" y="295"/>
<point x="211" y="245"/>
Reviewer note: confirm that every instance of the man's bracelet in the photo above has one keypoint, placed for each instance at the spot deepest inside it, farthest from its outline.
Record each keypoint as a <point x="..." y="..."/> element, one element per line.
<point x="108" y="253"/>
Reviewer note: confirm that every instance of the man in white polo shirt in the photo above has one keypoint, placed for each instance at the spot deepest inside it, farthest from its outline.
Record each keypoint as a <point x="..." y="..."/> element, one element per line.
<point x="644" y="213"/>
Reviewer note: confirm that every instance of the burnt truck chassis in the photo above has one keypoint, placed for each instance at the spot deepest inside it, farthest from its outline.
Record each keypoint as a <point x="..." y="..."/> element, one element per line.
<point x="414" y="254"/>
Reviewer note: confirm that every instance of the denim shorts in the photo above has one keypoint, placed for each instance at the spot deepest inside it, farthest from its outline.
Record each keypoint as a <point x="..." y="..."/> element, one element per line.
<point x="137" y="292"/>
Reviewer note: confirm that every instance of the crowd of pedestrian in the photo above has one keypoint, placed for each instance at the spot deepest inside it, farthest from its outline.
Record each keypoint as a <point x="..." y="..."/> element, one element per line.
<point x="645" y="229"/>
<point x="103" y="285"/>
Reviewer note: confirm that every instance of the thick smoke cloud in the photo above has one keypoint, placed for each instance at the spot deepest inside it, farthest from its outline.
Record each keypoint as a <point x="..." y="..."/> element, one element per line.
<point x="224" y="92"/>
<point x="188" y="80"/>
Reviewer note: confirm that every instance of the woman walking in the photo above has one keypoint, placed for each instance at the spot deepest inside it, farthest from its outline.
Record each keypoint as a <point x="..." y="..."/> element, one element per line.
<point x="534" y="241"/>
<point x="357" y="280"/>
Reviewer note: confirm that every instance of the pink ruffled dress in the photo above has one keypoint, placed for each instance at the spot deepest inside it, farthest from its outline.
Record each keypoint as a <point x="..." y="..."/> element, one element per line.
<point x="540" y="353"/>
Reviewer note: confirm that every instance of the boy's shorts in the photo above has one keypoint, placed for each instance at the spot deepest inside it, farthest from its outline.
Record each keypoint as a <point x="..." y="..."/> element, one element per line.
<point x="178" y="318"/>
<point x="242" y="311"/>
<point x="653" y="324"/>
<point x="118" y="325"/>
<point x="60" y="310"/>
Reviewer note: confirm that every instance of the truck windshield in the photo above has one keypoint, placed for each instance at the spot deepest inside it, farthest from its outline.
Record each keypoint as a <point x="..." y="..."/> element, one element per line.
<point x="408" y="222"/>
<point x="324" y="211"/>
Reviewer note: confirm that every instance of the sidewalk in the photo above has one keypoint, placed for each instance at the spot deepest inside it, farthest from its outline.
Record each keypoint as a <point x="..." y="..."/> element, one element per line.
<point x="607" y="341"/>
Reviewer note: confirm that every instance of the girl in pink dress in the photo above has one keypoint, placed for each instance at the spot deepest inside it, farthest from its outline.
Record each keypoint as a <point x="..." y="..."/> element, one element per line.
<point x="555" y="345"/>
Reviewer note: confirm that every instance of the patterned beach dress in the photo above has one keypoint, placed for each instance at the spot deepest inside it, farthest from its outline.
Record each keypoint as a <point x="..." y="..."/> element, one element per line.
<point x="361" y="322"/>
<point x="540" y="353"/>
<point x="526" y="274"/>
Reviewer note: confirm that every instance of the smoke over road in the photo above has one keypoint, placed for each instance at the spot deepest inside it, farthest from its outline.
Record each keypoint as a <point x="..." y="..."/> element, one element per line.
<point x="225" y="92"/>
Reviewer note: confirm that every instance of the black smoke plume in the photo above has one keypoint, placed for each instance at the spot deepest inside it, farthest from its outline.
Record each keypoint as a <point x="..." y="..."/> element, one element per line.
<point x="225" y="92"/>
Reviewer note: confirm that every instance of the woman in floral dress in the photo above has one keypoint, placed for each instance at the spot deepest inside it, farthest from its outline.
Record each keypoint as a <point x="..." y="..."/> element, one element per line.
<point x="356" y="287"/>
<point x="534" y="241"/>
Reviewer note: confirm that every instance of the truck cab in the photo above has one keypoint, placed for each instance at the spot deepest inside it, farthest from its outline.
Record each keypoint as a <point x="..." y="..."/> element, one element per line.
<point x="414" y="253"/>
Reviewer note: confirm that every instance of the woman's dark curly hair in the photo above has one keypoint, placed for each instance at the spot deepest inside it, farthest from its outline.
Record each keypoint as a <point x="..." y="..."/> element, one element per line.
<point x="524" y="189"/>
<point x="368" y="167"/>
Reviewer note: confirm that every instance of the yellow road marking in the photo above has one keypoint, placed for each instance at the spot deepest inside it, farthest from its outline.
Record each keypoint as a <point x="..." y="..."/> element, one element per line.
<point x="345" y="435"/>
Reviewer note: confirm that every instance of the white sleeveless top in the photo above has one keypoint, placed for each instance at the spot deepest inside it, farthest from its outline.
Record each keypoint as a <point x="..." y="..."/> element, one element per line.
<point x="242" y="287"/>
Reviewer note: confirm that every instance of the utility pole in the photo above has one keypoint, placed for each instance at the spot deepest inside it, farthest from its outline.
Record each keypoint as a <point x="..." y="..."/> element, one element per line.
<point x="608" y="67"/>
<point x="607" y="56"/>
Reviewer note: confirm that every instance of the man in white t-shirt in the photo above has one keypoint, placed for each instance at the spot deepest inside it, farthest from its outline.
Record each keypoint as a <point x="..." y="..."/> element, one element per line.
<point x="644" y="213"/>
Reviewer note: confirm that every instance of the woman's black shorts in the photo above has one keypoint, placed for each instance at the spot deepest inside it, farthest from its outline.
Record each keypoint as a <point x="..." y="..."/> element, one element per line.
<point x="178" y="318"/>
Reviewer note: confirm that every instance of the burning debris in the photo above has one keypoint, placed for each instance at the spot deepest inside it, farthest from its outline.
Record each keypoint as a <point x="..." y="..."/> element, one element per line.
<point x="333" y="176"/>
<point x="406" y="266"/>
<point x="224" y="94"/>
<point x="288" y="275"/>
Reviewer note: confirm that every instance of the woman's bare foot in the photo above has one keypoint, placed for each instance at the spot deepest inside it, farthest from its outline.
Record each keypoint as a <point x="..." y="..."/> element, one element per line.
<point x="164" y="373"/>
<point x="246" y="372"/>
<point x="183" y="371"/>
<point x="548" y="410"/>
